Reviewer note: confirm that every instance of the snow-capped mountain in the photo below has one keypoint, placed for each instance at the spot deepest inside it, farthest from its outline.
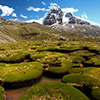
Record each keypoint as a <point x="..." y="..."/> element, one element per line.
<point x="73" y="20"/>
<point x="69" y="23"/>
<point x="55" y="15"/>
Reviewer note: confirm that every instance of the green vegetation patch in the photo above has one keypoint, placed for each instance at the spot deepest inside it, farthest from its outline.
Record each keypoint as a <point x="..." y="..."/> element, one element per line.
<point x="94" y="60"/>
<point x="53" y="91"/>
<point x="65" y="66"/>
<point x="81" y="80"/>
<point x="20" y="72"/>
<point x="1" y="93"/>
<point x="92" y="71"/>
<point x="77" y="59"/>
<point x="82" y="53"/>
<point x="13" y="56"/>
<point x="75" y="70"/>
<point x="96" y="94"/>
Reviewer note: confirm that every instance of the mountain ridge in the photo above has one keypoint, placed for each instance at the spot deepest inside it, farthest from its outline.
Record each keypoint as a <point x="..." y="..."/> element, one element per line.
<point x="14" y="30"/>
<point x="69" y="23"/>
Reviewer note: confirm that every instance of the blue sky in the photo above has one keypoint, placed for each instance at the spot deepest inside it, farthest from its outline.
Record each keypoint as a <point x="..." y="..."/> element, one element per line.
<point x="35" y="9"/>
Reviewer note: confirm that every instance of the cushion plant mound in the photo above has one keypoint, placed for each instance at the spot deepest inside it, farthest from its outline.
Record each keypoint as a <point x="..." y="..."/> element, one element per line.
<point x="77" y="59"/>
<point x="82" y="53"/>
<point x="53" y="91"/>
<point x="1" y="93"/>
<point x="39" y="56"/>
<point x="81" y="80"/>
<point x="53" y="59"/>
<point x="13" y="57"/>
<point x="20" y="72"/>
<point x="96" y="94"/>
<point x="92" y="71"/>
<point x="75" y="70"/>
<point x="94" y="60"/>
<point x="65" y="66"/>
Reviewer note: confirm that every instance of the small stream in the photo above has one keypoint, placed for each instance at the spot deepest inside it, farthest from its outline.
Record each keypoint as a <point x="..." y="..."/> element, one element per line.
<point x="16" y="93"/>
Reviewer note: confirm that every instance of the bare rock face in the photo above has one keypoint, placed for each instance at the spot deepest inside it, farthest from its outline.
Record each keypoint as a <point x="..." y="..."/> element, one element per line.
<point x="14" y="22"/>
<point x="3" y="21"/>
<point x="74" y="20"/>
<point x="55" y="15"/>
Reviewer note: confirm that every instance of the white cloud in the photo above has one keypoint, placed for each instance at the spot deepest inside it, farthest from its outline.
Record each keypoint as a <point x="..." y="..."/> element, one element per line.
<point x="7" y="11"/>
<point x="67" y="10"/>
<point x="84" y="16"/>
<point x="71" y="10"/>
<point x="33" y="20"/>
<point x="43" y="3"/>
<point x="36" y="9"/>
<point x="53" y="6"/>
<point x="14" y="15"/>
<point x="23" y="16"/>
<point x="41" y="20"/>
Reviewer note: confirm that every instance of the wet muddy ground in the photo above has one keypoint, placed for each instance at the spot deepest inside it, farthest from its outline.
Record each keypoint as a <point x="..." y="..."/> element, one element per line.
<point x="14" y="94"/>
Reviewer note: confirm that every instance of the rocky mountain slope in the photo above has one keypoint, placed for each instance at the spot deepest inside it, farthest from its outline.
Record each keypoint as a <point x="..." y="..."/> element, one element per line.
<point x="54" y="28"/>
<point x="37" y="32"/>
<point x="28" y="32"/>
<point x="3" y="21"/>
<point x="69" y="23"/>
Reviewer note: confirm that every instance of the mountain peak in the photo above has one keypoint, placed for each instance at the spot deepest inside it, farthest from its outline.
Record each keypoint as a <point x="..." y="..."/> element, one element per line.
<point x="54" y="6"/>
<point x="68" y="15"/>
<point x="54" y="15"/>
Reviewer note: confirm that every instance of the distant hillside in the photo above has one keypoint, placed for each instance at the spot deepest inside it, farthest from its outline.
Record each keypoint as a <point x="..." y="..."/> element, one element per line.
<point x="37" y="32"/>
<point x="27" y="32"/>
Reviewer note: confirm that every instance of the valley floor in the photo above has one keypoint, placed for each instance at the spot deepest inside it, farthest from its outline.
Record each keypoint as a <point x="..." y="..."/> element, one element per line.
<point x="76" y="63"/>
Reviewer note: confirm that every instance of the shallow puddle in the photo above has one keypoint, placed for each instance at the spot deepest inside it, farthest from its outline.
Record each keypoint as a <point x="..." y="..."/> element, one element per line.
<point x="16" y="93"/>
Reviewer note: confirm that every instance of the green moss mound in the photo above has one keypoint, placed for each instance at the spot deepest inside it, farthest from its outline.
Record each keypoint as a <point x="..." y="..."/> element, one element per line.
<point x="96" y="94"/>
<point x="92" y="71"/>
<point x="82" y="53"/>
<point x="81" y="80"/>
<point x="77" y="59"/>
<point x="53" y="91"/>
<point x="20" y="72"/>
<point x="75" y="70"/>
<point x="13" y="56"/>
<point x="65" y="66"/>
<point x="1" y="93"/>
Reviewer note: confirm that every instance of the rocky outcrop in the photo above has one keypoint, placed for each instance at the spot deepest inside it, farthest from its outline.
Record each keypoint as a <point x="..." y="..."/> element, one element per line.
<point x="74" y="20"/>
<point x="14" y="22"/>
<point x="55" y="15"/>
<point x="3" y="21"/>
